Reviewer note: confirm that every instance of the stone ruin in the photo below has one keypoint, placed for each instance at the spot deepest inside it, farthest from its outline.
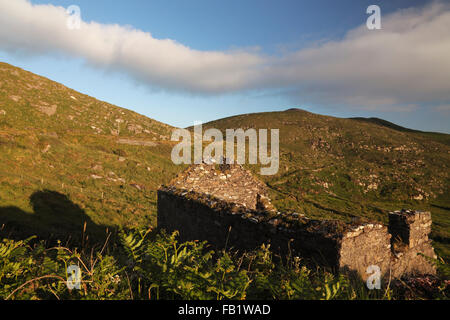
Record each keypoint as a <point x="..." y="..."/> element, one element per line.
<point x="228" y="207"/>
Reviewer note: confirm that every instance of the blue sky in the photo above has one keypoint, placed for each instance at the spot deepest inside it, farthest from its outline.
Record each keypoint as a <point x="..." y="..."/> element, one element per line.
<point x="269" y="33"/>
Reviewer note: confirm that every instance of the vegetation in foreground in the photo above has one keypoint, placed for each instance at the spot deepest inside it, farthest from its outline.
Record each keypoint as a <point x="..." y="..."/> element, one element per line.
<point x="145" y="264"/>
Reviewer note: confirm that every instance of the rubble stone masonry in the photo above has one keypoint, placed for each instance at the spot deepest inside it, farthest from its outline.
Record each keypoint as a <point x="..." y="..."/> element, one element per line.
<point x="227" y="207"/>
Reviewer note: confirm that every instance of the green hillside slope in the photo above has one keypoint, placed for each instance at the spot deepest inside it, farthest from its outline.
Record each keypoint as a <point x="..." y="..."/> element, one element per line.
<point x="350" y="168"/>
<point x="67" y="158"/>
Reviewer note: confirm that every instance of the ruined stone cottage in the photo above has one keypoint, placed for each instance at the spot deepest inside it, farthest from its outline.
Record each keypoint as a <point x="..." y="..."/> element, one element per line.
<point x="228" y="207"/>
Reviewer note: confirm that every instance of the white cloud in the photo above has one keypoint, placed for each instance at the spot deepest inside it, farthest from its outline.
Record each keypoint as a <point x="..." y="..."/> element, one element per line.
<point x="404" y="64"/>
<point x="38" y="29"/>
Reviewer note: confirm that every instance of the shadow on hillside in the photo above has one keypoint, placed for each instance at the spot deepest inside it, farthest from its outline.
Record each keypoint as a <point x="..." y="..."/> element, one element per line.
<point x="54" y="217"/>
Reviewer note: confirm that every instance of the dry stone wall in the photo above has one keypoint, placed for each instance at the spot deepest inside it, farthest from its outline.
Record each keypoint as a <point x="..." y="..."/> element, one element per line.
<point x="410" y="242"/>
<point x="227" y="207"/>
<point x="364" y="246"/>
<point x="223" y="224"/>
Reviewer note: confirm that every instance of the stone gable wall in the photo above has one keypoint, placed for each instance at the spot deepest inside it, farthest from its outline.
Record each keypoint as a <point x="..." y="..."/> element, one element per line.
<point x="229" y="182"/>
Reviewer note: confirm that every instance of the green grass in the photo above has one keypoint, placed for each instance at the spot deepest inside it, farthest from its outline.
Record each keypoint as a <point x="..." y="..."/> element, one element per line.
<point x="61" y="154"/>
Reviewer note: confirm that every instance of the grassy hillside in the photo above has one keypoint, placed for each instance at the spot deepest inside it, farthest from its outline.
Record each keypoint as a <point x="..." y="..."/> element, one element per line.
<point x="350" y="168"/>
<point x="67" y="158"/>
